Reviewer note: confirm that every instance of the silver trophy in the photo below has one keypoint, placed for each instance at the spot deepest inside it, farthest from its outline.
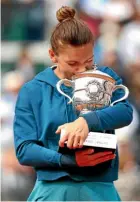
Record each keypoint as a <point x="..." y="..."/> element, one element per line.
<point x="93" y="90"/>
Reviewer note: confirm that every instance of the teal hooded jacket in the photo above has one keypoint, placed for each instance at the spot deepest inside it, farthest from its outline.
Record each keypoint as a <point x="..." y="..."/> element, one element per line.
<point x="40" y="109"/>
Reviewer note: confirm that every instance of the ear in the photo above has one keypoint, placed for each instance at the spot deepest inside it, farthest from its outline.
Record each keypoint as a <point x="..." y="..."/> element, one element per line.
<point x="52" y="55"/>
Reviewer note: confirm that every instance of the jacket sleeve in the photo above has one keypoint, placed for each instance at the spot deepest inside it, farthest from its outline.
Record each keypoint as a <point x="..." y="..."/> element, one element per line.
<point x="112" y="117"/>
<point x="28" y="149"/>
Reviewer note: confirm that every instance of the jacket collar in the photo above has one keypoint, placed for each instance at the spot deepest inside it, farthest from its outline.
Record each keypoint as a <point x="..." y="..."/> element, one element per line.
<point x="48" y="76"/>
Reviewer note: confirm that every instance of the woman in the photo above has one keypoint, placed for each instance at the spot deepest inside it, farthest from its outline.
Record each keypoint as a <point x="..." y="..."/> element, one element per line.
<point x="41" y="112"/>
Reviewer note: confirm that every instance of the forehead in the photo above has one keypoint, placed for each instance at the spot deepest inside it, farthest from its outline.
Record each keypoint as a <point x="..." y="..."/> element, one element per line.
<point x="69" y="52"/>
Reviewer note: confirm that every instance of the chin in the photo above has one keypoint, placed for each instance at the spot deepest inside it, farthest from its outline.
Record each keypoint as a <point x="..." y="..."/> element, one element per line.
<point x="69" y="76"/>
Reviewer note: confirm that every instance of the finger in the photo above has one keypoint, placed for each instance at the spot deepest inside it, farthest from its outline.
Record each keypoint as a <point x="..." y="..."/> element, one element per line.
<point x="106" y="158"/>
<point x="103" y="159"/>
<point x="70" y="141"/>
<point x="76" y="142"/>
<point x="62" y="140"/>
<point x="58" y="131"/>
<point x="100" y="154"/>
<point x="87" y="161"/>
<point x="81" y="142"/>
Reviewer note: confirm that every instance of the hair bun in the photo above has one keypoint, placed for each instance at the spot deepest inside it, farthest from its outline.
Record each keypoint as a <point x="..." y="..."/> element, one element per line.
<point x="64" y="13"/>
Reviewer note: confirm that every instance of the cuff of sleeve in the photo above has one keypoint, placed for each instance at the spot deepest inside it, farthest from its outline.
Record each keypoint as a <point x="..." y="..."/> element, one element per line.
<point x="56" y="160"/>
<point x="67" y="161"/>
<point x="92" y="121"/>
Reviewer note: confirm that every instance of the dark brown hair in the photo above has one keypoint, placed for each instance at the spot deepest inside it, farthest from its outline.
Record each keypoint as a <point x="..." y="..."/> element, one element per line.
<point x="69" y="30"/>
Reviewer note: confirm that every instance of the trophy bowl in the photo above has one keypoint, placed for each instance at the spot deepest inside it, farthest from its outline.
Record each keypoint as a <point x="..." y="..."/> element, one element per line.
<point x="92" y="90"/>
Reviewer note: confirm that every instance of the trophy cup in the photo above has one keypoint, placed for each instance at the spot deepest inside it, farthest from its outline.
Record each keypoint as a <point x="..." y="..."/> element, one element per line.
<point x="93" y="90"/>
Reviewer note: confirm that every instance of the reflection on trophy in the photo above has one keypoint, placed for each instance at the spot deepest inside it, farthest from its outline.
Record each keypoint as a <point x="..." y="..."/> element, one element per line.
<point x="93" y="90"/>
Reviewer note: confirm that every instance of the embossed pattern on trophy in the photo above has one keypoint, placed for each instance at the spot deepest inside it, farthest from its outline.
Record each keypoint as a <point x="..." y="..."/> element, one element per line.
<point x="92" y="90"/>
<point x="92" y="93"/>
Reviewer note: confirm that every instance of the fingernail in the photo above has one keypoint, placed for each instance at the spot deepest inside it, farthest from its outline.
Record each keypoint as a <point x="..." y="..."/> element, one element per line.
<point x="91" y="150"/>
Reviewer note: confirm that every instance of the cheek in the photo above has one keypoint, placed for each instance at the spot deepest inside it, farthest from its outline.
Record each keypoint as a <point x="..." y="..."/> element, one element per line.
<point x="64" y="67"/>
<point x="90" y="64"/>
<point x="69" y="69"/>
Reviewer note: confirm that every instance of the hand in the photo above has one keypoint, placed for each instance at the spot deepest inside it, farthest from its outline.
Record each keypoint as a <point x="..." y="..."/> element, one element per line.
<point x="87" y="157"/>
<point x="75" y="133"/>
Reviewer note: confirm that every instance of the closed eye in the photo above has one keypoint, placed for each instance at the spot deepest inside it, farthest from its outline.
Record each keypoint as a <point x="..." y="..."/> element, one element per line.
<point x="72" y="64"/>
<point x="75" y="63"/>
<point x="90" y="61"/>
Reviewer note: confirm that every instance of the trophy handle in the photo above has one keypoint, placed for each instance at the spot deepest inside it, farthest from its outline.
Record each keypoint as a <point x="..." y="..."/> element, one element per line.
<point x="58" y="86"/>
<point x="124" y="97"/>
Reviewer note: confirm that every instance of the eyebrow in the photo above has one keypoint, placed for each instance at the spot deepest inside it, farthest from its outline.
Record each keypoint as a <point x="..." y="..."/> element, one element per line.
<point x="76" y="61"/>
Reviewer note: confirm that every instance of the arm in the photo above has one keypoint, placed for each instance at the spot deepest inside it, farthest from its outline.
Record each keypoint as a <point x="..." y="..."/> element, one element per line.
<point x="28" y="150"/>
<point x="112" y="117"/>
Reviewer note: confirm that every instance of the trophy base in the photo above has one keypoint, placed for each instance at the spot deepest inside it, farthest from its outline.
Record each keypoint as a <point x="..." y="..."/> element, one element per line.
<point x="88" y="171"/>
<point x="103" y="140"/>
<point x="100" y="142"/>
<point x="97" y="139"/>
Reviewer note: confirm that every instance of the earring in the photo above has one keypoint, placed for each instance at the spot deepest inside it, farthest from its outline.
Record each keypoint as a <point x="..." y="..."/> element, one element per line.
<point x="94" y="66"/>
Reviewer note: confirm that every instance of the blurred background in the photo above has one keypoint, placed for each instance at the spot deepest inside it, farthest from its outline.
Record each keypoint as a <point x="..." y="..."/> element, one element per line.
<point x="26" y="26"/>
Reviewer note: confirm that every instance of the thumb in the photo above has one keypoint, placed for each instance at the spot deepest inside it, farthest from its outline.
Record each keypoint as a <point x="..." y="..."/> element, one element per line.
<point x="89" y="151"/>
<point x="58" y="131"/>
<point x="85" y="151"/>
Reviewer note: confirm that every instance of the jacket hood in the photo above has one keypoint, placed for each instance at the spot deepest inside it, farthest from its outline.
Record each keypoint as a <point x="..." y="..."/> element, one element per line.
<point x="48" y="76"/>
